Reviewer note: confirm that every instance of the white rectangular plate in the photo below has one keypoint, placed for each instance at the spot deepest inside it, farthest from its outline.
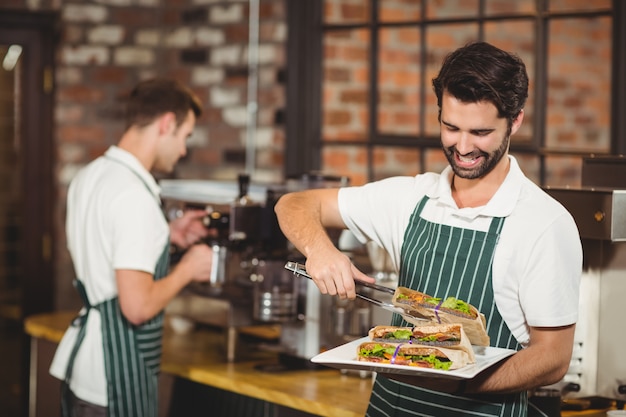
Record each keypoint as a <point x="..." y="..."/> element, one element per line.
<point x="344" y="357"/>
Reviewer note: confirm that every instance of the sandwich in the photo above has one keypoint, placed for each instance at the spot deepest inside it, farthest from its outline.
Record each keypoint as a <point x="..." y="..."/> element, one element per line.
<point x="407" y="354"/>
<point x="450" y="336"/>
<point x="440" y="310"/>
<point x="432" y="334"/>
<point x="451" y="305"/>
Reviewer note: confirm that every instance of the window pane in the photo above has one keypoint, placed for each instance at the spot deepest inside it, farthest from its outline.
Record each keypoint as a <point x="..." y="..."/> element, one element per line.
<point x="350" y="161"/>
<point x="346" y="11"/>
<point x="440" y="41"/>
<point x="493" y="7"/>
<point x="451" y="8"/>
<point x="563" y="171"/>
<point x="529" y="165"/>
<point x="400" y="10"/>
<point x="391" y="161"/>
<point x="398" y="81"/>
<point x="569" y="5"/>
<point x="345" y="85"/>
<point x="579" y="85"/>
<point x="435" y="160"/>
<point x="518" y="37"/>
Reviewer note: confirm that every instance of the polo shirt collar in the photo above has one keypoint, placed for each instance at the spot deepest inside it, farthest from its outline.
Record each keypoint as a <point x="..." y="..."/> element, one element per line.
<point x="131" y="162"/>
<point x="501" y="204"/>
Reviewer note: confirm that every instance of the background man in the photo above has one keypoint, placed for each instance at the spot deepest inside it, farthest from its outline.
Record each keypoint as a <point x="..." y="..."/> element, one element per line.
<point x="119" y="241"/>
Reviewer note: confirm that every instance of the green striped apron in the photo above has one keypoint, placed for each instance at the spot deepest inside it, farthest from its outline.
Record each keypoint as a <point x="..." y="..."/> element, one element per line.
<point x="132" y="354"/>
<point x="444" y="261"/>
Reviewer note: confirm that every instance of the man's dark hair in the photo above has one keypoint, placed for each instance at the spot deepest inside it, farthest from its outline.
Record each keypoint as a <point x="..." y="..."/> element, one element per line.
<point x="152" y="98"/>
<point x="481" y="72"/>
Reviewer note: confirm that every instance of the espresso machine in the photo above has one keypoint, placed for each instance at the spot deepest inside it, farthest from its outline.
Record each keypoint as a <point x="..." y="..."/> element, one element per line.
<point x="598" y="367"/>
<point x="249" y="285"/>
<point x="246" y="243"/>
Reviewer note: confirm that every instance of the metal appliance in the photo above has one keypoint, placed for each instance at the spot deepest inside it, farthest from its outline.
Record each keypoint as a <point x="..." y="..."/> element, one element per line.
<point x="323" y="322"/>
<point x="245" y="239"/>
<point x="598" y="366"/>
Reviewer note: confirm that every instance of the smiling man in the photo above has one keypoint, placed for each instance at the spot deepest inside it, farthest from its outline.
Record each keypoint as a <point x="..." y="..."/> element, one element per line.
<point x="480" y="231"/>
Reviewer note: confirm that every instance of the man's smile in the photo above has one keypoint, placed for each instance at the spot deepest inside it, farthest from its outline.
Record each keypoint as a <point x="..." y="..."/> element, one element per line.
<point x="469" y="160"/>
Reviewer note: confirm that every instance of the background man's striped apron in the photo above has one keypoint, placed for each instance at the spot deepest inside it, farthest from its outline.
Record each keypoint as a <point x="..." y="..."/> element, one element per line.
<point x="132" y="354"/>
<point x="444" y="261"/>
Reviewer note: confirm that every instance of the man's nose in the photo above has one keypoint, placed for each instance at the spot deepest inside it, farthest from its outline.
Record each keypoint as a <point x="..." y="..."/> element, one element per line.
<point x="464" y="144"/>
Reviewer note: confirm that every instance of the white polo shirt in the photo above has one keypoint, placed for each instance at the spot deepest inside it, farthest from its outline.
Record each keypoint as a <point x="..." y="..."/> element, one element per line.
<point x="538" y="260"/>
<point x="114" y="221"/>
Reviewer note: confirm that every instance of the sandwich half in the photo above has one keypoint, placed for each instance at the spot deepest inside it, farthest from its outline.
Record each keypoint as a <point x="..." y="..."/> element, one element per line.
<point x="435" y="335"/>
<point x="444" y="311"/>
<point x="407" y="354"/>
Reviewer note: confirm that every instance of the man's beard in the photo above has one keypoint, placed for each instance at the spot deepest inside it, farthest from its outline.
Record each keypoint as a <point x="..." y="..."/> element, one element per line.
<point x="489" y="162"/>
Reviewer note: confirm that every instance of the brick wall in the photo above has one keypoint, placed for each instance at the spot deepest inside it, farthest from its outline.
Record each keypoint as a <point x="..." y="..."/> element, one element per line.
<point x="578" y="82"/>
<point x="109" y="45"/>
<point x="107" y="48"/>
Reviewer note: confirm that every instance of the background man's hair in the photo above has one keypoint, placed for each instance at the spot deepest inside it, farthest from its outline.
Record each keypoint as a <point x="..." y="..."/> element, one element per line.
<point x="153" y="98"/>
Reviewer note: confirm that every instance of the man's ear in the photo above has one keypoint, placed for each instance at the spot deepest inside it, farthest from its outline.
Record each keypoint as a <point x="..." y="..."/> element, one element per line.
<point x="167" y="123"/>
<point x="517" y="122"/>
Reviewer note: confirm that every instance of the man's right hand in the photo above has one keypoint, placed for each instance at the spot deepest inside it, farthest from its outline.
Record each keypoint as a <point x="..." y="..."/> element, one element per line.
<point x="334" y="273"/>
<point x="197" y="262"/>
<point x="303" y="217"/>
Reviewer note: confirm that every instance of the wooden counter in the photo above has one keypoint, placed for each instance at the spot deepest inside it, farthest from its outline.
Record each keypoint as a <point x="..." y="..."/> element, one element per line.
<point x="199" y="356"/>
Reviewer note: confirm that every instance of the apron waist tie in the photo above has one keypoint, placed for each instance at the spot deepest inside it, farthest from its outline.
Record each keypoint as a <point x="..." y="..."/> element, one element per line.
<point x="79" y="321"/>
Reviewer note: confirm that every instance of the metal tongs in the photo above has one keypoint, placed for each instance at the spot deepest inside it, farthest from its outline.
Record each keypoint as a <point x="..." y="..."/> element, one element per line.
<point x="299" y="270"/>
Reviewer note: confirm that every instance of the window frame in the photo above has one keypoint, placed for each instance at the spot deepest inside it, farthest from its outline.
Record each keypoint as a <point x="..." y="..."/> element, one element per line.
<point x="304" y="83"/>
